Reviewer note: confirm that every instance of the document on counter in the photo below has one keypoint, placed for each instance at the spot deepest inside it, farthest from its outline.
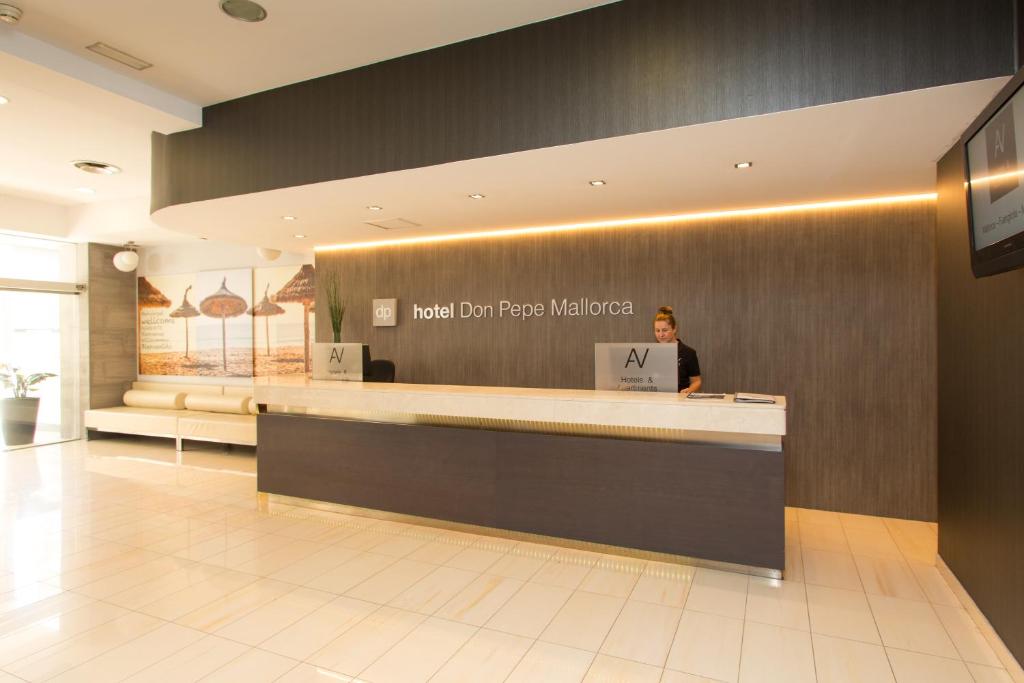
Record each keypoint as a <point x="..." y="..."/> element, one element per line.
<point x="754" y="398"/>
<point x="697" y="395"/>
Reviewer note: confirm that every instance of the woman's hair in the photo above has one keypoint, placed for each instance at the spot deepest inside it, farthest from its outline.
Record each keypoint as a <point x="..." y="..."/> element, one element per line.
<point x="665" y="313"/>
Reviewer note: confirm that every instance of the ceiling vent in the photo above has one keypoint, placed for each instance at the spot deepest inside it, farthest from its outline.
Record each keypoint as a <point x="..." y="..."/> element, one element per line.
<point x="393" y="224"/>
<point x="128" y="60"/>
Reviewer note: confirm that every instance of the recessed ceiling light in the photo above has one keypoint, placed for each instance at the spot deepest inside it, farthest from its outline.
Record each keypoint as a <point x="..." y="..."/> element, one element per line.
<point x="375" y="208"/>
<point x="287" y="218"/>
<point x="97" y="167"/>
<point x="476" y="196"/>
<point x="85" y="190"/>
<point x="243" y="10"/>
<point x="598" y="183"/>
<point x="299" y="237"/>
<point x="9" y="14"/>
<point x="204" y="238"/>
<point x="3" y="100"/>
<point x="744" y="164"/>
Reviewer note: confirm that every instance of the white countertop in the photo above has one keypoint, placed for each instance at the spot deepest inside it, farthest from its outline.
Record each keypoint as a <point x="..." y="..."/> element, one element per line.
<point x="572" y="406"/>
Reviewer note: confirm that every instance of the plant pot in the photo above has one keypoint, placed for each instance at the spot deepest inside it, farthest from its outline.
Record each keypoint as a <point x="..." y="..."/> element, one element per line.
<point x="19" y="420"/>
<point x="338" y="361"/>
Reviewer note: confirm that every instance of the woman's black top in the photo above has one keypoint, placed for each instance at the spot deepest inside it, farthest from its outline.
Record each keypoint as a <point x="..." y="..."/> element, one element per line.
<point x="689" y="366"/>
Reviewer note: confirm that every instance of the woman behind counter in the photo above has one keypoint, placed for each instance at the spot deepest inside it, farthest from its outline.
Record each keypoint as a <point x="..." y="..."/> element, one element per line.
<point x="689" y="366"/>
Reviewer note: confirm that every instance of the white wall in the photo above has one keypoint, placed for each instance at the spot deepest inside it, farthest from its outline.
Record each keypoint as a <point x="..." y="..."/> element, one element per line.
<point x="174" y="259"/>
<point x="30" y="217"/>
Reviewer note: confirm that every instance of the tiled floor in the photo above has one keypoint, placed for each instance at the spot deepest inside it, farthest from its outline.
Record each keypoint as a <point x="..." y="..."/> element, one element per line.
<point x="118" y="564"/>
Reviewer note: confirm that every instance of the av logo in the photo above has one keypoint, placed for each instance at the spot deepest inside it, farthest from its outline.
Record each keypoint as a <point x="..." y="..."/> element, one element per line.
<point x="634" y="357"/>
<point x="336" y="355"/>
<point x="385" y="312"/>
<point x="1001" y="146"/>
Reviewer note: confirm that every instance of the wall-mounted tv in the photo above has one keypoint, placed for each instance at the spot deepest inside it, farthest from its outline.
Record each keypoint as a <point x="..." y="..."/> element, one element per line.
<point x="994" y="175"/>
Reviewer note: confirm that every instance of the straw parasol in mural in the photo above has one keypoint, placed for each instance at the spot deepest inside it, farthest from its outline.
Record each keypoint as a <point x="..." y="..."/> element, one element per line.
<point x="149" y="297"/>
<point x="223" y="304"/>
<point x="186" y="310"/>
<point x="301" y="289"/>
<point x="266" y="308"/>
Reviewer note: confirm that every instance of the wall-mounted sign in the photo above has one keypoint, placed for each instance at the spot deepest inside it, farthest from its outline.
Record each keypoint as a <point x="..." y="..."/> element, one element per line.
<point x="385" y="312"/>
<point x="564" y="307"/>
<point x="636" y="367"/>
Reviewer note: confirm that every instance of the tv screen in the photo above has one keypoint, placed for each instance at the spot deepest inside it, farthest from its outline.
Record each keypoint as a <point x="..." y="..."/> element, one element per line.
<point x="995" y="184"/>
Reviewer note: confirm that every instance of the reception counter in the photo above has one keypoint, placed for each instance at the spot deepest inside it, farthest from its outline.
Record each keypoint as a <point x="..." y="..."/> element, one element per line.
<point x="702" y="479"/>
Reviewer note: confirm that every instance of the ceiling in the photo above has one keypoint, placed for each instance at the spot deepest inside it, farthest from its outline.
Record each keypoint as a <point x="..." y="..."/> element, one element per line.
<point x="862" y="148"/>
<point x="202" y="55"/>
<point x="67" y="104"/>
<point x="53" y="119"/>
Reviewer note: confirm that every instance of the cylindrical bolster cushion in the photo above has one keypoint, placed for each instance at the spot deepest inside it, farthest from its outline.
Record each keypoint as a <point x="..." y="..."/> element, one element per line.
<point x="238" y="405"/>
<point x="142" y="398"/>
<point x="254" y="409"/>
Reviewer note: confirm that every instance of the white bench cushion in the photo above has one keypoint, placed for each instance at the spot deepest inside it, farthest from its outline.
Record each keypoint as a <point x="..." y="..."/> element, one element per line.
<point x="128" y="420"/>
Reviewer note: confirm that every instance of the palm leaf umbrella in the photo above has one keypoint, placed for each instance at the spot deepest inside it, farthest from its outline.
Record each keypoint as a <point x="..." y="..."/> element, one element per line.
<point x="223" y="304"/>
<point x="149" y="297"/>
<point x="301" y="289"/>
<point x="186" y="310"/>
<point x="266" y="308"/>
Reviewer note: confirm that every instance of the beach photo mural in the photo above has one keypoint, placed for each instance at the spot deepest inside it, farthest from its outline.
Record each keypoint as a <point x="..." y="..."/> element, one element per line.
<point x="196" y="324"/>
<point x="282" y="318"/>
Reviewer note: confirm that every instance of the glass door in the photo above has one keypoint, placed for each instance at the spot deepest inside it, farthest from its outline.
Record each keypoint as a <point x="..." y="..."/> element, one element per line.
<point x="39" y="366"/>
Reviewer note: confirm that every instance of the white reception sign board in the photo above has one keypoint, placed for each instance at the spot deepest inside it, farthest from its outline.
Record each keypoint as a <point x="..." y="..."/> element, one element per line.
<point x="636" y="367"/>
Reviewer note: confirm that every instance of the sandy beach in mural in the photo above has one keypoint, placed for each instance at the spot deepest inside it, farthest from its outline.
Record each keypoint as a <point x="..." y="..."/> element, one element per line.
<point x="204" y="363"/>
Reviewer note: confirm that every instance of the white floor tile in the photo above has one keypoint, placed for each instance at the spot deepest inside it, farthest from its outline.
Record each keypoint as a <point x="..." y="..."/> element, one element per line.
<point x="643" y="633"/>
<point x="431" y="592"/>
<point x="841" y="613"/>
<point x="584" y="621"/>
<point x="969" y="641"/>
<point x="318" y="628"/>
<point x="838" y="660"/>
<point x="718" y="592"/>
<point x="477" y="602"/>
<point x="192" y="663"/>
<point x="530" y="610"/>
<point x="780" y="603"/>
<point x="134" y="656"/>
<point x="835" y="570"/>
<point x="914" y="667"/>
<point x="605" y="669"/>
<point x="420" y="654"/>
<point x="488" y="657"/>
<point x="552" y="664"/>
<point x="362" y="644"/>
<point x="988" y="674"/>
<point x="253" y="666"/>
<point x="707" y="645"/>
<point x="911" y="625"/>
<point x="772" y="653"/>
<point x="888" y="576"/>
<point x="274" y="616"/>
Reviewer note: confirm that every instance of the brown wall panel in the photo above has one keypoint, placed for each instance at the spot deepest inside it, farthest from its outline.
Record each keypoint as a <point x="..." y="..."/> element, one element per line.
<point x="622" y="68"/>
<point x="112" y="340"/>
<point x="834" y="309"/>
<point x="980" y="430"/>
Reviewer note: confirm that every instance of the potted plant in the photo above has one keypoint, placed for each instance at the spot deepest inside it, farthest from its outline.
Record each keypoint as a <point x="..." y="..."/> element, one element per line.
<point x="335" y="308"/>
<point x="19" y="413"/>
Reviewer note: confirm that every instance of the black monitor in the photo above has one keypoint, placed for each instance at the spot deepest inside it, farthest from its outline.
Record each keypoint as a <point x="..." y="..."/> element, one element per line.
<point x="994" y="182"/>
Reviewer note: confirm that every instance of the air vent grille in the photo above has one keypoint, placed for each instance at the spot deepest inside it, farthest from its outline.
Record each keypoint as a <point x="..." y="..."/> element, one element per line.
<point x="132" y="61"/>
<point x="392" y="224"/>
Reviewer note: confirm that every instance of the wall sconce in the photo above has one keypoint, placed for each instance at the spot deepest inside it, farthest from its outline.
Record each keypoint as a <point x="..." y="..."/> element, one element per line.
<point x="268" y="254"/>
<point x="127" y="259"/>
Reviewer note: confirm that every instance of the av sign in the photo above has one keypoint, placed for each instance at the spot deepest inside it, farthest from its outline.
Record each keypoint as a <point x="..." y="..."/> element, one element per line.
<point x="636" y="367"/>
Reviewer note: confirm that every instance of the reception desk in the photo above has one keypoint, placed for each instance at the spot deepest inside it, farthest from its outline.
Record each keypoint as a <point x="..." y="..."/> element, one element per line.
<point x="701" y="479"/>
